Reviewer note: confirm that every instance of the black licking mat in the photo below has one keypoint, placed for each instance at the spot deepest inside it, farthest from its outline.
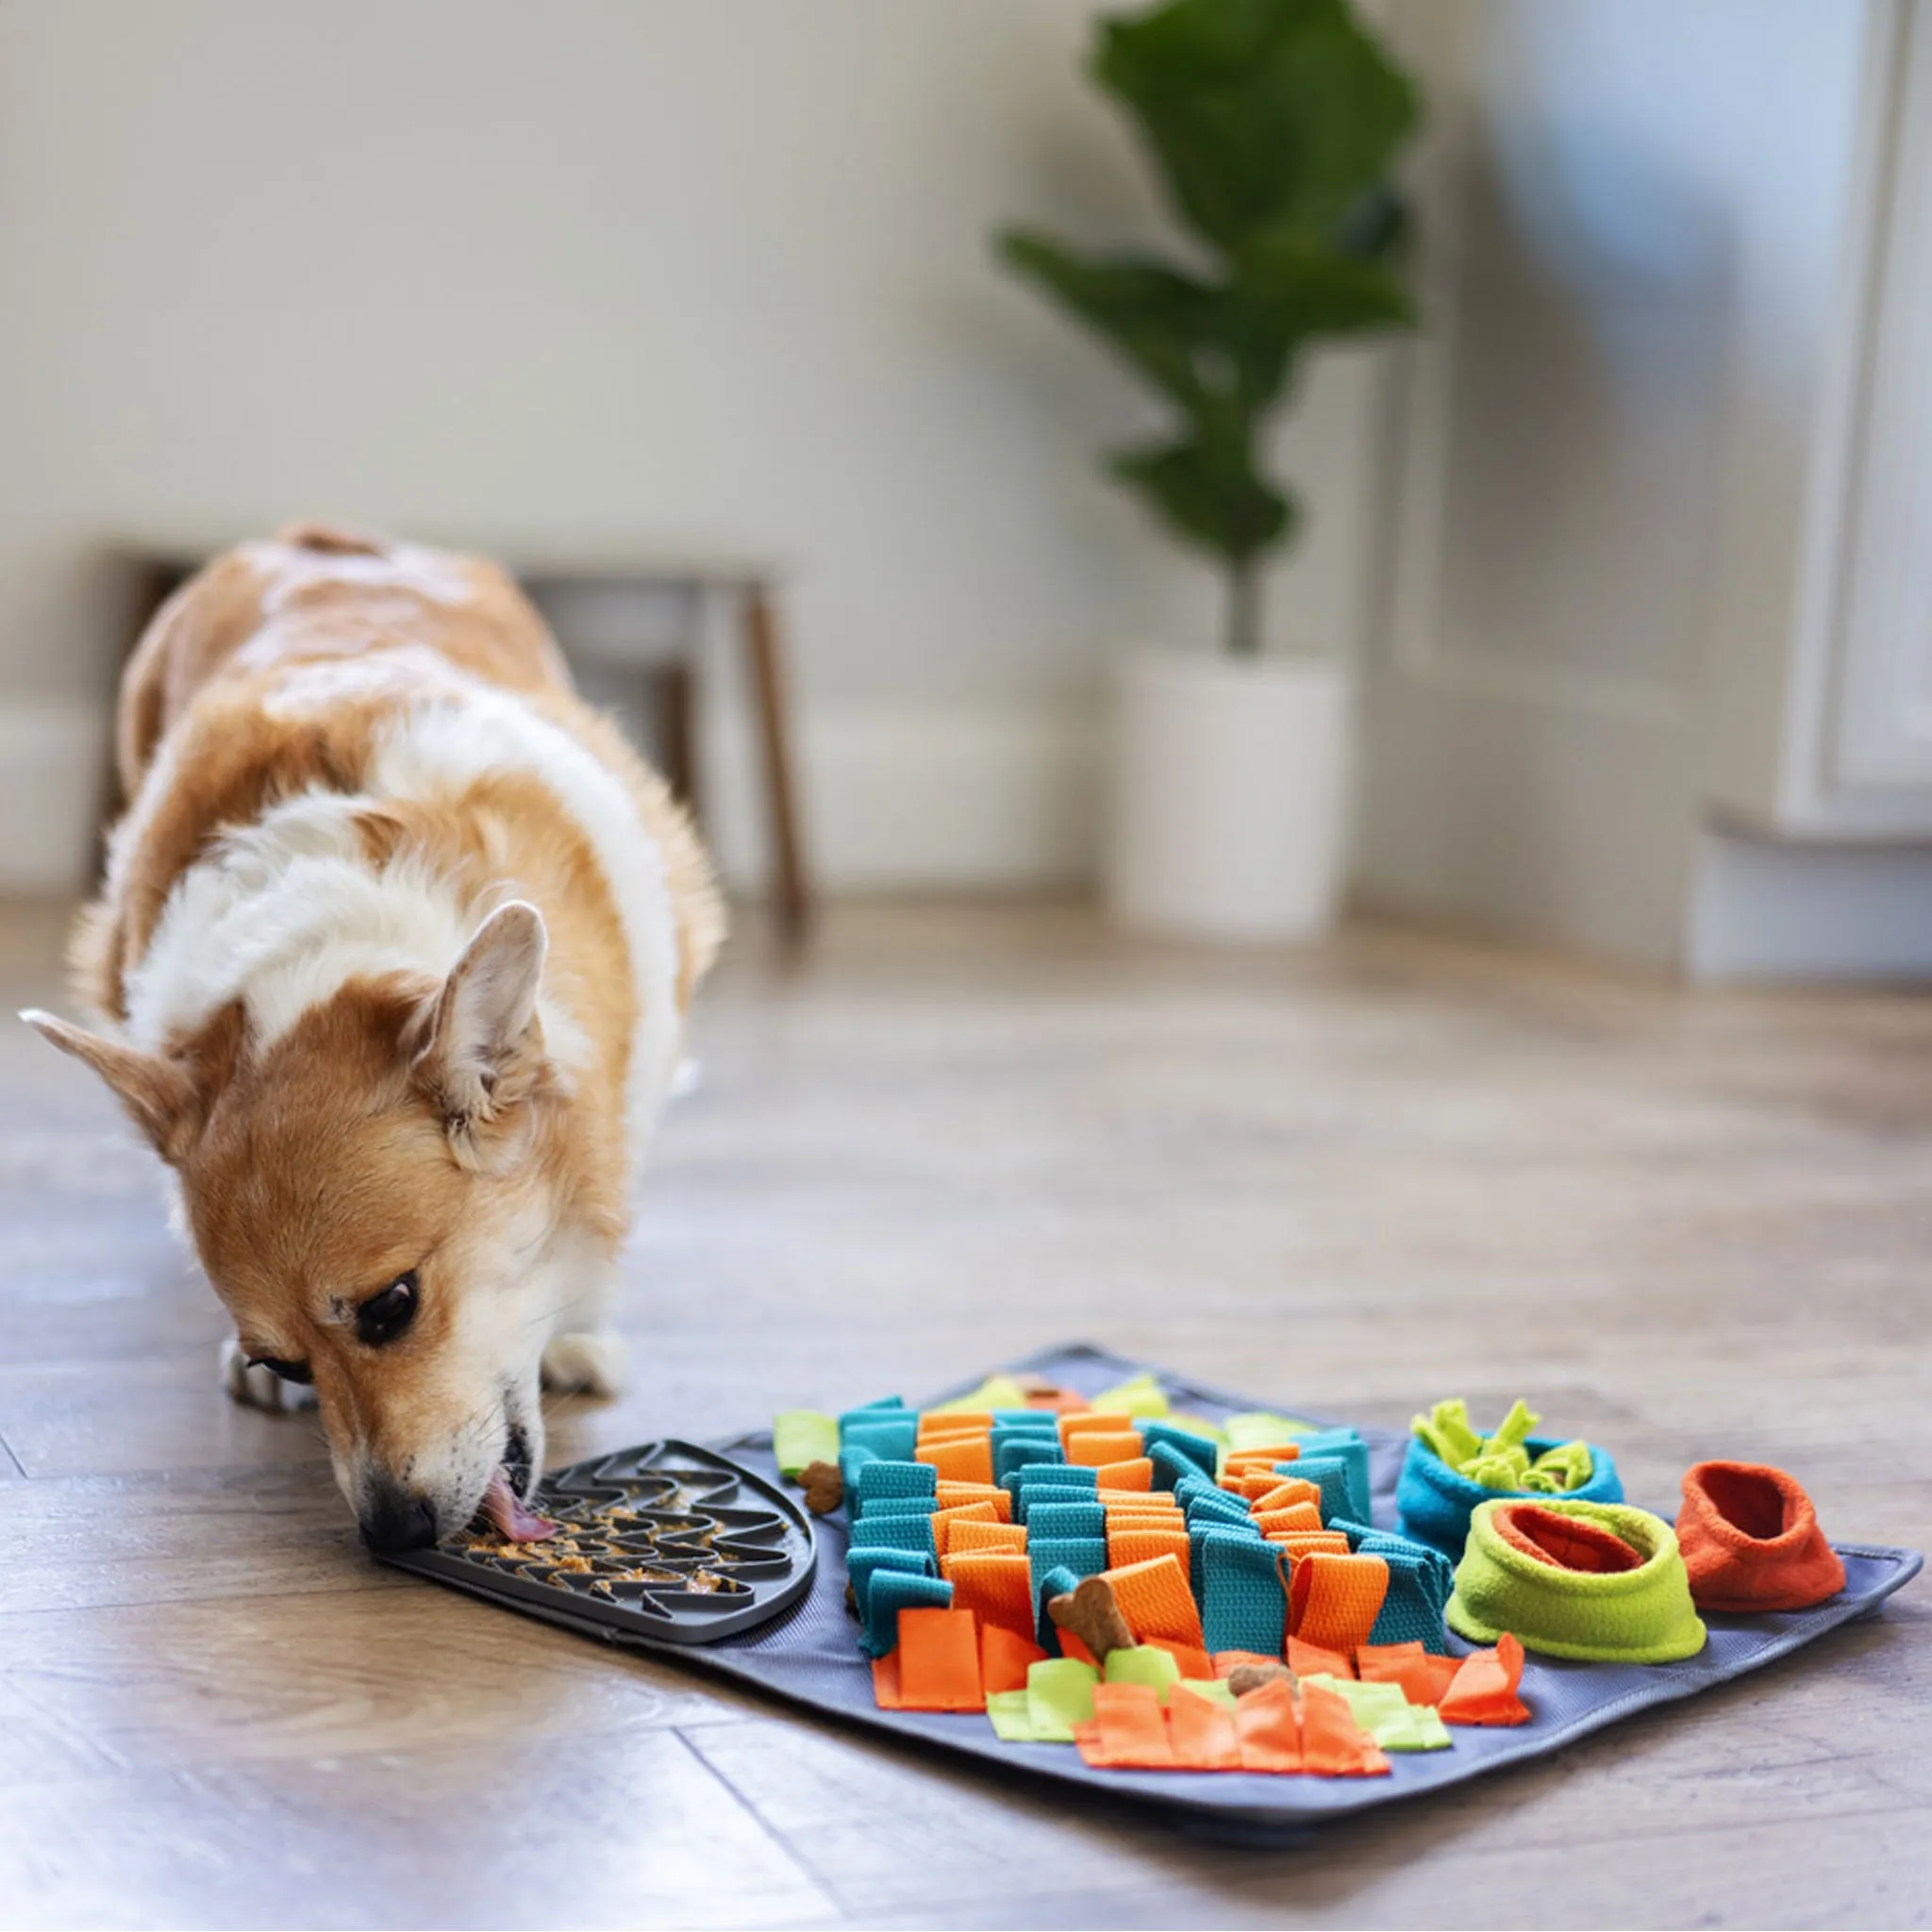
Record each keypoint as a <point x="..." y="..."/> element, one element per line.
<point x="666" y="1542"/>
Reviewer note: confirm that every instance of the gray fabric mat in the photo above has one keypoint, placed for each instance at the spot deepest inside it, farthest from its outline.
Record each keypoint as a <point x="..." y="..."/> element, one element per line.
<point x="810" y="1655"/>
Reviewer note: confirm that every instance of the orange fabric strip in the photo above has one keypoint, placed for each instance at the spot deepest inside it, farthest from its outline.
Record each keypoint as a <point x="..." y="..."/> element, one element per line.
<point x="1333" y="1601"/>
<point x="1289" y="1489"/>
<point x="997" y="1586"/>
<point x="1118" y="1520"/>
<point x="1268" y="1729"/>
<point x="1135" y="1474"/>
<point x="943" y="1520"/>
<point x="1155" y="1600"/>
<point x="1130" y="1728"/>
<point x="1089" y="1421"/>
<point x="1294" y="1518"/>
<point x="1250" y="1489"/>
<point x="1482" y="1691"/>
<point x="1004" y="1658"/>
<point x="968" y="1460"/>
<point x="1072" y="1646"/>
<point x="951" y="1494"/>
<point x="969" y="1538"/>
<point x="1093" y="1447"/>
<point x="1406" y="1664"/>
<point x="1310" y="1660"/>
<point x="1298" y="1543"/>
<point x="1201" y="1732"/>
<point x="939" y="1660"/>
<point x="951" y="1421"/>
<point x="1332" y="1742"/>
<point x="885" y="1681"/>
<point x="1262" y="1456"/>
<point x="1126" y="1546"/>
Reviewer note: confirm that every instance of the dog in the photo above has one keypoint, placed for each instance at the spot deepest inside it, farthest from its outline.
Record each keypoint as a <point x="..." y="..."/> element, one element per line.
<point x="392" y="966"/>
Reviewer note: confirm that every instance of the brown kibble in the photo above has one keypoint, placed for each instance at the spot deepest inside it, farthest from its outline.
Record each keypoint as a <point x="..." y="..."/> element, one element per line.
<point x="1091" y="1614"/>
<point x="825" y="1488"/>
<point x="1247" y="1677"/>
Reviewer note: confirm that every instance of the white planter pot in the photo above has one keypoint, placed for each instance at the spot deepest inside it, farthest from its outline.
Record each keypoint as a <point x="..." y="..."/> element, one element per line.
<point x="1229" y="788"/>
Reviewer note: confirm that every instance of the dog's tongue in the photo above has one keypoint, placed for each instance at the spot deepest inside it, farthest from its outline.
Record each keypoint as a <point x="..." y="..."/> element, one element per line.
<point x="514" y="1523"/>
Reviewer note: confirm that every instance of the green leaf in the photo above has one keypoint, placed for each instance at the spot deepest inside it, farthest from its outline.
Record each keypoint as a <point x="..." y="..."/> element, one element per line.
<point x="1304" y="288"/>
<point x="1206" y="488"/>
<point x="1153" y="317"/>
<point x="1259" y="114"/>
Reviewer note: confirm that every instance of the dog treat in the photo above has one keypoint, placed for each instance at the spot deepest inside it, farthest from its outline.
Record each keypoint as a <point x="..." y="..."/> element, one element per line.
<point x="1094" y="1616"/>
<point x="825" y="1488"/>
<point x="1247" y="1677"/>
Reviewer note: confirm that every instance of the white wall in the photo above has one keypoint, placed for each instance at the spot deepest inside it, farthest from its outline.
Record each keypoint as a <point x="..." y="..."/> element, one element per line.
<point x="710" y="269"/>
<point x="1641" y="223"/>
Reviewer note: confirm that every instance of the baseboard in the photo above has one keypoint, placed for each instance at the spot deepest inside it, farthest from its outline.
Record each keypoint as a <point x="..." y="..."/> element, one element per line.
<point x="893" y="798"/>
<point x="52" y="765"/>
<point x="1768" y="909"/>
<point x="906" y="797"/>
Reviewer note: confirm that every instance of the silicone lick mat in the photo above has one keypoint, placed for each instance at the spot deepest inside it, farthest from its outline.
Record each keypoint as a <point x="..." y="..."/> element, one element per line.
<point x="666" y="1542"/>
<point x="810" y="1655"/>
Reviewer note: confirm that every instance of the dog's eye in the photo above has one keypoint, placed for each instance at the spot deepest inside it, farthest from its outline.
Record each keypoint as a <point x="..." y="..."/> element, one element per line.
<point x="385" y="1316"/>
<point x="289" y="1372"/>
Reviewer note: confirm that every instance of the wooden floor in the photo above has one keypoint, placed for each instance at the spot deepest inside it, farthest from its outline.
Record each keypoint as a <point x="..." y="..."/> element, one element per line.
<point x="1359" y="1178"/>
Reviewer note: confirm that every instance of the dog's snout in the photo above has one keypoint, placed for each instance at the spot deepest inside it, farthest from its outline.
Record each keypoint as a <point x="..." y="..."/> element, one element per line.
<point x="395" y="1520"/>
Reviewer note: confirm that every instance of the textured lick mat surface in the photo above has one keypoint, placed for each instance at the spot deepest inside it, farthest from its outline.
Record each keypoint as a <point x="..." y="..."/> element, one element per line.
<point x="809" y="1654"/>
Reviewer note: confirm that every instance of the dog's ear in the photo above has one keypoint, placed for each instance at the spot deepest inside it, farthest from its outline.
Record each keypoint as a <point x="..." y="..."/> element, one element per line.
<point x="162" y="1095"/>
<point x="485" y="1046"/>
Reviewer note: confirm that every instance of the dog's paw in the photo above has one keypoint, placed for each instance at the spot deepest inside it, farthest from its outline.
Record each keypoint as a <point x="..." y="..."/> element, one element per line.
<point x="255" y="1386"/>
<point x="588" y="1362"/>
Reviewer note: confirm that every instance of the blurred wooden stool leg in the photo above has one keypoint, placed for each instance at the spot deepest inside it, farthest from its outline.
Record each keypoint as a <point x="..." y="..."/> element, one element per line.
<point x="678" y="701"/>
<point x="791" y="895"/>
<point x="155" y="582"/>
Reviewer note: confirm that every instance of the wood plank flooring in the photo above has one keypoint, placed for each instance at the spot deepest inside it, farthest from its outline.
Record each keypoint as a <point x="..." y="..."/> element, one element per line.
<point x="1360" y="1177"/>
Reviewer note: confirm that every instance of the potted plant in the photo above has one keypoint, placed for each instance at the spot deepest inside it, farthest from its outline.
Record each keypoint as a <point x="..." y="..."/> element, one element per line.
<point x="1274" y="126"/>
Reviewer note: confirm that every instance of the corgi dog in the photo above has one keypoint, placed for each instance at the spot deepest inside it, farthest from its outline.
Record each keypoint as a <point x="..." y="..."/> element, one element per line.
<point x="392" y="966"/>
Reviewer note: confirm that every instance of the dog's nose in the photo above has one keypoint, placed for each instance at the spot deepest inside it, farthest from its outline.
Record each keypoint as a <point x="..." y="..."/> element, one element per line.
<point x="394" y="1520"/>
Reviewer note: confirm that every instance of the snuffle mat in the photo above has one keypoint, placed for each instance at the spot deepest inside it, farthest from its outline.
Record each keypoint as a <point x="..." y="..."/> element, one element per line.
<point x="808" y="1653"/>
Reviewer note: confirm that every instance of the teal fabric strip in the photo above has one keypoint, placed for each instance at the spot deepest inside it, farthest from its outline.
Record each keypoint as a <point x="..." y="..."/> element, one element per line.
<point x="891" y="1591"/>
<point x="881" y="1478"/>
<point x="912" y="1533"/>
<point x="1244" y="1605"/>
<point x="1085" y="1556"/>
<point x="1198" y="1450"/>
<point x="1013" y="1453"/>
<point x="891" y="1437"/>
<point x="1332" y="1474"/>
<point x="1052" y="1519"/>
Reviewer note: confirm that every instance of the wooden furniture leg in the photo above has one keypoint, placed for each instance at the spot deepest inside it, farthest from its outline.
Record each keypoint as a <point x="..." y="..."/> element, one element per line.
<point x="155" y="583"/>
<point x="677" y="707"/>
<point x="791" y="897"/>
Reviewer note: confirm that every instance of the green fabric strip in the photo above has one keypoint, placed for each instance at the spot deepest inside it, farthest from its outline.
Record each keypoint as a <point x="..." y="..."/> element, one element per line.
<point x="800" y="1437"/>
<point x="1144" y="1664"/>
<point x="1059" y="1694"/>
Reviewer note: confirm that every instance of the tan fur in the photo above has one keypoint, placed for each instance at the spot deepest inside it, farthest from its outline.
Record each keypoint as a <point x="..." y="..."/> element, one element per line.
<point x="319" y="1168"/>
